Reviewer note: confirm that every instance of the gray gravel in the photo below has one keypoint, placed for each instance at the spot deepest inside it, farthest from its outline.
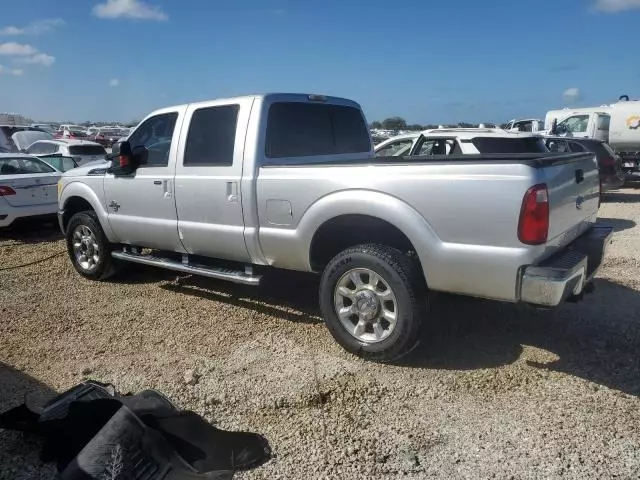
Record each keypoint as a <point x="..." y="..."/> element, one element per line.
<point x="495" y="391"/>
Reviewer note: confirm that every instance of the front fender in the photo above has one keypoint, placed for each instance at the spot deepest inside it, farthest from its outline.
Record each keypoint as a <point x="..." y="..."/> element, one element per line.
<point x="85" y="192"/>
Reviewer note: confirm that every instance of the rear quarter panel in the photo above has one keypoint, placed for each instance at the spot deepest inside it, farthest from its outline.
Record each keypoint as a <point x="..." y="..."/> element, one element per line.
<point x="461" y="218"/>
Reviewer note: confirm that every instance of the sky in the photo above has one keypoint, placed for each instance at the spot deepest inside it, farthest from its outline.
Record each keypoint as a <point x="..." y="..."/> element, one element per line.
<point x="426" y="61"/>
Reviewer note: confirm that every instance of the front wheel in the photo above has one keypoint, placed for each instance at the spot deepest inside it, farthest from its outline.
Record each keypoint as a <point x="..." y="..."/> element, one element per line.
<point x="88" y="247"/>
<point x="374" y="301"/>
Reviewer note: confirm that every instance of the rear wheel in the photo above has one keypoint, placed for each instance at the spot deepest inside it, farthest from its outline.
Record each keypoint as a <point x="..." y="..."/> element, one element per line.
<point x="88" y="247"/>
<point x="374" y="301"/>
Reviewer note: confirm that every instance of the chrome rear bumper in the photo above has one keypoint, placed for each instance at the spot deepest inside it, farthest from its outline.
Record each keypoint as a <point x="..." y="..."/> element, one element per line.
<point x="566" y="273"/>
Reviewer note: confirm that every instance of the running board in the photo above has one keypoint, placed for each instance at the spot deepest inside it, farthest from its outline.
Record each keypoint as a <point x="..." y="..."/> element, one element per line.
<point x="236" y="276"/>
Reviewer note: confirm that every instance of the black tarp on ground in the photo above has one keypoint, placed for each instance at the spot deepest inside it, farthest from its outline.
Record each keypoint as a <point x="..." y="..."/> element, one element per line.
<point x="91" y="432"/>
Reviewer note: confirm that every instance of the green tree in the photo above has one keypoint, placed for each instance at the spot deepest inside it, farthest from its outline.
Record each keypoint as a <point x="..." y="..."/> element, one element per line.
<point x="376" y="124"/>
<point x="394" y="123"/>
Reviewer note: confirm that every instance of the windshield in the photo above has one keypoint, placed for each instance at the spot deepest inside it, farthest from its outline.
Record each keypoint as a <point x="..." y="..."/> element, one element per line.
<point x="25" y="138"/>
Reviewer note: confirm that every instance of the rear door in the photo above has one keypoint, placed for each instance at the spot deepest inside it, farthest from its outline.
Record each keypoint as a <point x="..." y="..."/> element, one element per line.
<point x="26" y="182"/>
<point x="207" y="181"/>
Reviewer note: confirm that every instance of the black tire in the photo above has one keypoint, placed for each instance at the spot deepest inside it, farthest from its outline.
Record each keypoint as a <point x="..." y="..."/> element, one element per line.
<point x="403" y="276"/>
<point x="105" y="265"/>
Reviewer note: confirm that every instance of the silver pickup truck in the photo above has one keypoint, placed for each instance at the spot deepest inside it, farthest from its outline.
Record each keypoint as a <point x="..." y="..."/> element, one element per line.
<point x="229" y="188"/>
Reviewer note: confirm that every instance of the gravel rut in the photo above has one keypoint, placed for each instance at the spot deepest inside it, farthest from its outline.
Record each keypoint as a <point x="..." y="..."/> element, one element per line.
<point x="494" y="391"/>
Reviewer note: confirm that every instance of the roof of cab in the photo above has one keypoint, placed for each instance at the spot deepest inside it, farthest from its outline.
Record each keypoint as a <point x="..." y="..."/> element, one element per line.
<point x="272" y="97"/>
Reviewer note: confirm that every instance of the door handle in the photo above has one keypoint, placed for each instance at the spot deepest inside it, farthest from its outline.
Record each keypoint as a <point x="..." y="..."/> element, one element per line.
<point x="232" y="192"/>
<point x="157" y="182"/>
<point x="579" y="176"/>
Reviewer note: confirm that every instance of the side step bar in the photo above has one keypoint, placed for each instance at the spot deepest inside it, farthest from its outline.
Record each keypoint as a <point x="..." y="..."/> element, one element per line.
<point x="236" y="276"/>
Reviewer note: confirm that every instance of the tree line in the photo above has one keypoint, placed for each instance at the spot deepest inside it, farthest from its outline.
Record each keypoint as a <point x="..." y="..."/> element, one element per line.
<point x="399" y="123"/>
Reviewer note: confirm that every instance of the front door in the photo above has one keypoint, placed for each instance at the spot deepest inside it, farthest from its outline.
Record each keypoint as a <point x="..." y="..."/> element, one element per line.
<point x="141" y="207"/>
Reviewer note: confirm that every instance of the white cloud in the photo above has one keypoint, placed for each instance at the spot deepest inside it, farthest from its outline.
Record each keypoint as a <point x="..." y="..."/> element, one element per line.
<point x="17" y="49"/>
<point x="39" y="59"/>
<point x="135" y="9"/>
<point x="37" y="27"/>
<point x="114" y="82"/>
<point x="615" y="6"/>
<point x="571" y="94"/>
<point x="17" y="72"/>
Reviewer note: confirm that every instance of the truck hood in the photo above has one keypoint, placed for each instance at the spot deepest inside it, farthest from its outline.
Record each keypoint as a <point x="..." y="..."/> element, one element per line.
<point x="97" y="167"/>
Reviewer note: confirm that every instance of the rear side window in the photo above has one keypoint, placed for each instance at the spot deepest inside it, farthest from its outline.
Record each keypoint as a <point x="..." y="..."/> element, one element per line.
<point x="488" y="145"/>
<point x="212" y="136"/>
<point x="604" y="122"/>
<point x="87" y="150"/>
<point x="296" y="129"/>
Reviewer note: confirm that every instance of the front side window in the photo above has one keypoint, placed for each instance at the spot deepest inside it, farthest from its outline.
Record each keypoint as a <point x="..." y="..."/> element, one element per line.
<point x="212" y="136"/>
<point x="23" y="166"/>
<point x="575" y="124"/>
<point x="395" y="149"/>
<point x="155" y="135"/>
<point x="297" y="129"/>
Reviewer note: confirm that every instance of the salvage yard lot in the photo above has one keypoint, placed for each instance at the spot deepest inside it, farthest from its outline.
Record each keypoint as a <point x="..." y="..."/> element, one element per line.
<point x="494" y="391"/>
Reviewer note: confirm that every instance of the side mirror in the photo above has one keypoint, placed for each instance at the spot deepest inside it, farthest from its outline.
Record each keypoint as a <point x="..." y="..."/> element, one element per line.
<point x="121" y="159"/>
<point x="561" y="129"/>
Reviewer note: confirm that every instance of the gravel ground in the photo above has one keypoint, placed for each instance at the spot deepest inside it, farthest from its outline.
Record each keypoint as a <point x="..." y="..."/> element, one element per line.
<point x="495" y="390"/>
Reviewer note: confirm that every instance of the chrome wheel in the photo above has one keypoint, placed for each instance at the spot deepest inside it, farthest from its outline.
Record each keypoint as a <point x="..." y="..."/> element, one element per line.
<point x="85" y="248"/>
<point x="365" y="305"/>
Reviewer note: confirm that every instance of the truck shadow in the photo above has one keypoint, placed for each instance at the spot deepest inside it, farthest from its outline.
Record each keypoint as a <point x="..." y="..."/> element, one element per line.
<point x="20" y="452"/>
<point x="597" y="339"/>
<point x="618" y="224"/>
<point x="289" y="295"/>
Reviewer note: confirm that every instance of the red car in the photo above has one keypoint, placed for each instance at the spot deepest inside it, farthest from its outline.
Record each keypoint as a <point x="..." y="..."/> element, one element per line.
<point x="106" y="137"/>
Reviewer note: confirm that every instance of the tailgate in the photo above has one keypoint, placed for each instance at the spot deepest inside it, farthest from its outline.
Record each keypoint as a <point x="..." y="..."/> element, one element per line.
<point x="32" y="189"/>
<point x="574" y="192"/>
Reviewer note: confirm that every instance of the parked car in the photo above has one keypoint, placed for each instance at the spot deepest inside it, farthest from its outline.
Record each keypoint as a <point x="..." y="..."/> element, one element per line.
<point x="106" y="137"/>
<point x="7" y="132"/>
<point x="609" y="162"/>
<point x="28" y="188"/>
<point x="460" y="141"/>
<point x="230" y="188"/>
<point x="81" y="151"/>
<point x="76" y="132"/>
<point x="46" y="127"/>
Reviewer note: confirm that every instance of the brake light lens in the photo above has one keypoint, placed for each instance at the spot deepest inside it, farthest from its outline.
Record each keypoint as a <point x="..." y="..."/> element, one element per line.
<point x="533" y="225"/>
<point x="6" y="191"/>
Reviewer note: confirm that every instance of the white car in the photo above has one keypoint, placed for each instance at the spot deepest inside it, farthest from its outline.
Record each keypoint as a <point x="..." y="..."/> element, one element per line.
<point x="460" y="141"/>
<point x="82" y="151"/>
<point x="28" y="188"/>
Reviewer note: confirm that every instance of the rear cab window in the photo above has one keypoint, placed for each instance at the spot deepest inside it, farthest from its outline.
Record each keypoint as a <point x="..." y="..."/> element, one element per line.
<point x="491" y="145"/>
<point x="299" y="129"/>
<point x="94" y="150"/>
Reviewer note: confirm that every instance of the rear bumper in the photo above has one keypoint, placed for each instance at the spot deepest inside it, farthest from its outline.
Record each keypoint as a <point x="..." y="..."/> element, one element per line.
<point x="8" y="215"/>
<point x="566" y="273"/>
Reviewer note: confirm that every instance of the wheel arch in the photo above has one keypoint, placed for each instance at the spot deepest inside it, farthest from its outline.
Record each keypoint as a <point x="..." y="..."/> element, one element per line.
<point x="77" y="197"/>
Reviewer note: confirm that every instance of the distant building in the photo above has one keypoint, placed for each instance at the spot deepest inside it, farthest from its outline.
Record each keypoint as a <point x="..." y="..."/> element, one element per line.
<point x="14" y="119"/>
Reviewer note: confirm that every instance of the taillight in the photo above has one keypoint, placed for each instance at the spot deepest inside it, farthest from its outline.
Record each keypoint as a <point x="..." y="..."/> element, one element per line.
<point x="533" y="226"/>
<point x="6" y="191"/>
